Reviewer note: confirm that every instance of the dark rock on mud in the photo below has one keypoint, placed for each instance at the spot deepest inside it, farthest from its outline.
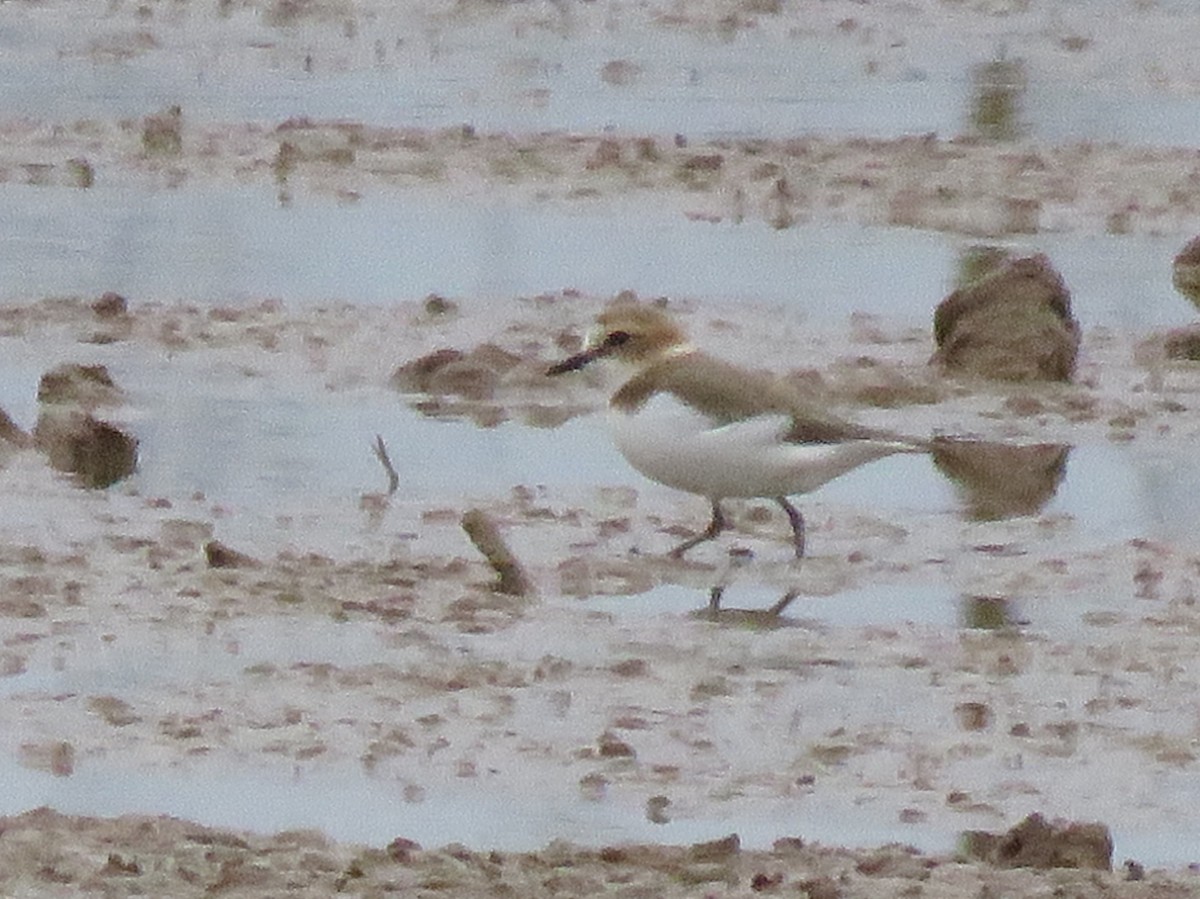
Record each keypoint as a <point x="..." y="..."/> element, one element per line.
<point x="1013" y="324"/>
<point x="414" y="376"/>
<point x="1038" y="843"/>
<point x="74" y="441"/>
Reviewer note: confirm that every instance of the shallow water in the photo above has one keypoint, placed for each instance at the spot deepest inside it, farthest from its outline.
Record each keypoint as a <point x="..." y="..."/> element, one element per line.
<point x="356" y="808"/>
<point x="225" y="245"/>
<point x="271" y="451"/>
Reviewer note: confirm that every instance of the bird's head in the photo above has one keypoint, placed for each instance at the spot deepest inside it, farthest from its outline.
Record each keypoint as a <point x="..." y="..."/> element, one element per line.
<point x="634" y="333"/>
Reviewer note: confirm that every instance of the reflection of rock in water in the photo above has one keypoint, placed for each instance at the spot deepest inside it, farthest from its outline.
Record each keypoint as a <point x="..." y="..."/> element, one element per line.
<point x="997" y="88"/>
<point x="1000" y="480"/>
<point x="986" y="613"/>
<point x="1014" y="324"/>
<point x="978" y="260"/>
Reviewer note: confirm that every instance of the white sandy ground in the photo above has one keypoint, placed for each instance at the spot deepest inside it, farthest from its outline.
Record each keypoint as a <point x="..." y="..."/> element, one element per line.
<point x="369" y="645"/>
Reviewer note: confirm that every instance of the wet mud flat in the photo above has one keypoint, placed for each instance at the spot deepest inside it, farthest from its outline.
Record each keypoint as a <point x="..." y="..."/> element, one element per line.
<point x="934" y="674"/>
<point x="960" y="185"/>
<point x="250" y="667"/>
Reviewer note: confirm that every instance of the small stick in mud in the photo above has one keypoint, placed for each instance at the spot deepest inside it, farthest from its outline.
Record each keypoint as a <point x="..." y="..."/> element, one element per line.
<point x="486" y="536"/>
<point x="385" y="460"/>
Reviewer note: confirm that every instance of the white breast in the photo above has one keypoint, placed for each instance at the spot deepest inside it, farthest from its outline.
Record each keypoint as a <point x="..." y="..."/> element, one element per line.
<point x="672" y="443"/>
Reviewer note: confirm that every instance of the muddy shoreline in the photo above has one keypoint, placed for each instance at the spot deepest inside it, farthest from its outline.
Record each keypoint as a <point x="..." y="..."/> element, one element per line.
<point x="129" y="855"/>
<point x="965" y="186"/>
<point x="370" y="637"/>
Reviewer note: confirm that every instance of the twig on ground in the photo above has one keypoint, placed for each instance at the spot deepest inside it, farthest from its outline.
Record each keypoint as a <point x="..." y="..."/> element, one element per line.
<point x="483" y="532"/>
<point x="385" y="460"/>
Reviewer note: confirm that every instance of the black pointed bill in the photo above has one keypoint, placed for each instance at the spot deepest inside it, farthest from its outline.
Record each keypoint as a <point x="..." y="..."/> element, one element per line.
<point x="601" y="348"/>
<point x="576" y="362"/>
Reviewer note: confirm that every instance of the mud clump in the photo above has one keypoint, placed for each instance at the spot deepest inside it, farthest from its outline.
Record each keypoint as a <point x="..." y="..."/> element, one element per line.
<point x="110" y="305"/>
<point x="1013" y="324"/>
<point x="218" y="555"/>
<point x="1182" y="344"/>
<point x="1038" y="843"/>
<point x="162" y="133"/>
<point x="416" y="375"/>
<point x="449" y="372"/>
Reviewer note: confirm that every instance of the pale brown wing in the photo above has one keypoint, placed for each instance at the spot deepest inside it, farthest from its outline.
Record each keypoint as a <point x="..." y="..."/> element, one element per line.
<point x="726" y="393"/>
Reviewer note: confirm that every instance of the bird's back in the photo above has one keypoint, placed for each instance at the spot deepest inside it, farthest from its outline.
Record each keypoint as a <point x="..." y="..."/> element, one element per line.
<point x="726" y="393"/>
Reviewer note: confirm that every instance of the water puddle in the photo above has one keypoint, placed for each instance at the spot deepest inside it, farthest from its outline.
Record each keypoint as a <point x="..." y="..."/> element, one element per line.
<point x="227" y="245"/>
<point x="511" y="810"/>
<point x="287" y="450"/>
<point x="348" y="806"/>
<point x="892" y="605"/>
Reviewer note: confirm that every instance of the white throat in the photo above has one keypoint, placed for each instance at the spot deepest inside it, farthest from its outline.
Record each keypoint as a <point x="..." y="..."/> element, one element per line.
<point x="677" y="350"/>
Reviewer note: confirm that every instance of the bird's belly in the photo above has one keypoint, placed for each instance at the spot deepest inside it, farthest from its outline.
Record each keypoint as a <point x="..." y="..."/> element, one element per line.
<point x="683" y="450"/>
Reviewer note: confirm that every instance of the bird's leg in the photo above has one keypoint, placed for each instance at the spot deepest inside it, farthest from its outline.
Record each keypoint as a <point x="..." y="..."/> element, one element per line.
<point x="715" y="527"/>
<point x="797" y="521"/>
<point x="784" y="601"/>
<point x="714" y="601"/>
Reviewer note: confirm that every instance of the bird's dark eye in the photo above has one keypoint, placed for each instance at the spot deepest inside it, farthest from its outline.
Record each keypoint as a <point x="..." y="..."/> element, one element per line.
<point x="616" y="338"/>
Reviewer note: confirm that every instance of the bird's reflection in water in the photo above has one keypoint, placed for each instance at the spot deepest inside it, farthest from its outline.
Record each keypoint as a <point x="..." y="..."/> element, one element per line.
<point x="1001" y="480"/>
<point x="755" y="619"/>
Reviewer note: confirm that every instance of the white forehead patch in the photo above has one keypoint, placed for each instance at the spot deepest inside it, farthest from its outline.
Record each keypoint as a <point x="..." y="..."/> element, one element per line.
<point x="594" y="337"/>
